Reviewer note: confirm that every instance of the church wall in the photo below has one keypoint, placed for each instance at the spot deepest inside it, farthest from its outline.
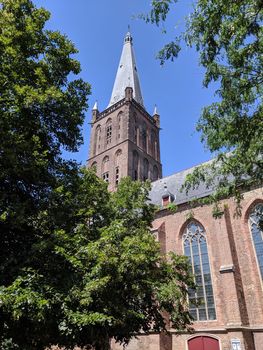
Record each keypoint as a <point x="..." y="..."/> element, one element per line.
<point x="237" y="284"/>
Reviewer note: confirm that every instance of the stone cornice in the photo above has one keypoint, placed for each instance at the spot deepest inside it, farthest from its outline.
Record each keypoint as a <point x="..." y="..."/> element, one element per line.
<point x="120" y="103"/>
<point x="143" y="111"/>
<point x="110" y="109"/>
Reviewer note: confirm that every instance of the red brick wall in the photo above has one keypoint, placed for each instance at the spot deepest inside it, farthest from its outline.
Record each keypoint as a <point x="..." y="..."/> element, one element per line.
<point x="238" y="292"/>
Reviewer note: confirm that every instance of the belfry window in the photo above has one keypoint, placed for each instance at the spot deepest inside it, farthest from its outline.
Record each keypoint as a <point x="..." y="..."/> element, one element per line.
<point x="105" y="168"/>
<point x="135" y="165"/>
<point x="155" y="173"/>
<point x="108" y="134"/>
<point x="117" y="175"/>
<point x="97" y="140"/>
<point x="145" y="169"/>
<point x="105" y="176"/>
<point x="201" y="300"/>
<point x="255" y="220"/>
<point x="144" y="138"/>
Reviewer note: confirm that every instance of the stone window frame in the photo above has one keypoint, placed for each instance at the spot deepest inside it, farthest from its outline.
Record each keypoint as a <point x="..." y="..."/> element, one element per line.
<point x="94" y="166"/>
<point x="97" y="140"/>
<point x="105" y="165"/>
<point x="146" y="166"/>
<point x="108" y="132"/>
<point x="202" y="235"/>
<point x="135" y="165"/>
<point x="250" y="212"/>
<point x="119" y="127"/>
<point x="106" y="176"/>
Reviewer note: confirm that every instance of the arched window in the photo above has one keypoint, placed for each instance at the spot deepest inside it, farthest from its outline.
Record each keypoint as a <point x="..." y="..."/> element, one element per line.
<point x="201" y="301"/>
<point x="135" y="165"/>
<point x="117" y="166"/>
<point x="156" y="149"/>
<point x="145" y="169"/>
<point x="94" y="167"/>
<point x="155" y="173"/>
<point x="153" y="138"/>
<point x="108" y="131"/>
<point x="97" y="140"/>
<point x="119" y="127"/>
<point x="255" y="218"/>
<point x="136" y="131"/>
<point x="144" y="137"/>
<point x="105" y="168"/>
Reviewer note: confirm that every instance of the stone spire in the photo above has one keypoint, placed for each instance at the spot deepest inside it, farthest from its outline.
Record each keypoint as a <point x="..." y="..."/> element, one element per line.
<point x="127" y="75"/>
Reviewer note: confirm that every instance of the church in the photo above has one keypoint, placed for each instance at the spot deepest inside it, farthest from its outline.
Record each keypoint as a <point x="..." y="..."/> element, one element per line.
<point x="226" y="253"/>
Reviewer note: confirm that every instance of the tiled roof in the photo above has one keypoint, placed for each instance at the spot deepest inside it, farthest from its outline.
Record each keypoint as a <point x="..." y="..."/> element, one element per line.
<point x="174" y="184"/>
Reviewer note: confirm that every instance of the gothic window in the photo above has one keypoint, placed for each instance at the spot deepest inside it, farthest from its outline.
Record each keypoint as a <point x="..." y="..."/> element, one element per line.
<point x="97" y="140"/>
<point x="135" y="167"/>
<point x="144" y="137"/>
<point x="105" y="176"/>
<point x="155" y="149"/>
<point x="105" y="168"/>
<point x="117" y="175"/>
<point x="108" y="131"/>
<point x="136" y="134"/>
<point x="119" y="119"/>
<point x="201" y="301"/>
<point x="145" y="169"/>
<point x="94" y="167"/>
<point x="153" y="141"/>
<point x="117" y="167"/>
<point x="155" y="173"/>
<point x="255" y="218"/>
<point x="135" y="131"/>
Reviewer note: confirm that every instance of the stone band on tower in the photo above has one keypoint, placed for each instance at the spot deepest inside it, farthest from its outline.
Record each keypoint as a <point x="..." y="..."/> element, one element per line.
<point x="125" y="137"/>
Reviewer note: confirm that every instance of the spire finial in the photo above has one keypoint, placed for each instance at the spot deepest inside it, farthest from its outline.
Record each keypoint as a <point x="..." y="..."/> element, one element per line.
<point x="95" y="107"/>
<point x="128" y="37"/>
<point x="155" y="111"/>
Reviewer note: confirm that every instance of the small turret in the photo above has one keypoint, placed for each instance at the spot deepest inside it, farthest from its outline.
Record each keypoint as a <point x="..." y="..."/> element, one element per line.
<point x="156" y="117"/>
<point x="95" y="112"/>
<point x="128" y="93"/>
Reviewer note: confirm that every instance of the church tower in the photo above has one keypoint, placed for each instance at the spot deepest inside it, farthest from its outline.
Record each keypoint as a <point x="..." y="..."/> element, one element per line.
<point x="125" y="137"/>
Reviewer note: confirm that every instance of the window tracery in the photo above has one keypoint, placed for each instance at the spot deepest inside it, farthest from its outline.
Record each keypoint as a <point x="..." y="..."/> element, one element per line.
<point x="135" y="165"/>
<point x="155" y="173"/>
<point x="97" y="140"/>
<point x="255" y="218"/>
<point x="145" y="169"/>
<point x="201" y="300"/>
<point x="108" y="132"/>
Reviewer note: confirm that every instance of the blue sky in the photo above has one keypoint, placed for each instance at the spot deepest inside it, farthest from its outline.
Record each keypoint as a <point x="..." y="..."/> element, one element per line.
<point x="98" y="27"/>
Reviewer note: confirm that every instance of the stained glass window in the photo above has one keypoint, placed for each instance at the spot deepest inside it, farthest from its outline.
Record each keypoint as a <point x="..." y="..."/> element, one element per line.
<point x="255" y="219"/>
<point x="201" y="300"/>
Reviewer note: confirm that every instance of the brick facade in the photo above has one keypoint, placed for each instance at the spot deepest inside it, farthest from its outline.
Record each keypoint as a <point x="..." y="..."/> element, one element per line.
<point x="133" y="146"/>
<point x="236" y="278"/>
<point x="125" y="142"/>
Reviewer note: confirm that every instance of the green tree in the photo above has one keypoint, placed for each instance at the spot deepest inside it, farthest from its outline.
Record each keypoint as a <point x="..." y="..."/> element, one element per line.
<point x="229" y="38"/>
<point x="78" y="265"/>
<point x="41" y="112"/>
<point x="96" y="273"/>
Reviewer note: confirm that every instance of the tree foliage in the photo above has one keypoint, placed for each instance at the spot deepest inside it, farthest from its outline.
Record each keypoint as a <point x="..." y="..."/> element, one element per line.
<point x="77" y="265"/>
<point x="96" y="272"/>
<point x="229" y="39"/>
